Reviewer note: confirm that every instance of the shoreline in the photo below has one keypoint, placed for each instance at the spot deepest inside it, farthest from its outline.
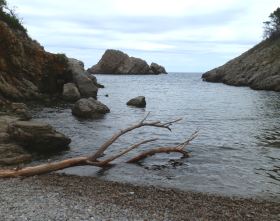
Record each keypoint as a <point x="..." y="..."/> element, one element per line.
<point x="70" y="197"/>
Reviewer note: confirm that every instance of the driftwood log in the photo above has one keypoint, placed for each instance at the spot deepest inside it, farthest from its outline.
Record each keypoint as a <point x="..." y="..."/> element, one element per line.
<point x="94" y="159"/>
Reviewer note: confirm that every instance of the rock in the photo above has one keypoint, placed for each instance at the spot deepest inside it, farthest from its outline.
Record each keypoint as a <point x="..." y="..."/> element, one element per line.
<point x="85" y="85"/>
<point x="38" y="137"/>
<point x="11" y="154"/>
<point x="26" y="70"/>
<point x="94" y="80"/>
<point x="117" y="62"/>
<point x="70" y="92"/>
<point x="137" y="102"/>
<point x="88" y="108"/>
<point x="158" y="69"/>
<point x="4" y="137"/>
<point x="257" y="68"/>
<point x="20" y="110"/>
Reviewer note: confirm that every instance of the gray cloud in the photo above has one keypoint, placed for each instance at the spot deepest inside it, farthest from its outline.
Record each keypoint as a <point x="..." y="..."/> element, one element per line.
<point x="182" y="35"/>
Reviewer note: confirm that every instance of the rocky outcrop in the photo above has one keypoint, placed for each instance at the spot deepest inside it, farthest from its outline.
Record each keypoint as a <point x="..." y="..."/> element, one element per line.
<point x="137" y="102"/>
<point x="28" y="72"/>
<point x="11" y="154"/>
<point x="86" y="85"/>
<point x="89" y="108"/>
<point x="158" y="69"/>
<point x="70" y="92"/>
<point x="37" y="136"/>
<point x="20" y="110"/>
<point x="19" y="139"/>
<point x="117" y="62"/>
<point x="258" y="68"/>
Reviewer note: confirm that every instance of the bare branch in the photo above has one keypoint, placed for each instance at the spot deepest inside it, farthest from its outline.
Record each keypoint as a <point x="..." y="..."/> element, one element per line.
<point x="156" y="151"/>
<point x="187" y="142"/>
<point x="178" y="149"/>
<point x="109" y="160"/>
<point x="92" y="160"/>
<point x="142" y="123"/>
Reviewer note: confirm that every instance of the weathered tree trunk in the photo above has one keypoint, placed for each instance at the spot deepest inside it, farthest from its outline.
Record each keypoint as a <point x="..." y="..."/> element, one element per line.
<point x="93" y="159"/>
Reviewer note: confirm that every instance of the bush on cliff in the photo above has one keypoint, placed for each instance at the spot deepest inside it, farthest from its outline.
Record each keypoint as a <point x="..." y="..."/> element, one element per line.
<point x="272" y="27"/>
<point x="9" y="16"/>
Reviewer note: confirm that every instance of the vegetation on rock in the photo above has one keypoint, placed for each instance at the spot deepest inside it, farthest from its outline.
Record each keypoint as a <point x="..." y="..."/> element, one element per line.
<point x="272" y="27"/>
<point x="9" y="16"/>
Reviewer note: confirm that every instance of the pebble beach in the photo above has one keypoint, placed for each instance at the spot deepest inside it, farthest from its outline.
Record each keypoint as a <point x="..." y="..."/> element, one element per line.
<point x="67" y="197"/>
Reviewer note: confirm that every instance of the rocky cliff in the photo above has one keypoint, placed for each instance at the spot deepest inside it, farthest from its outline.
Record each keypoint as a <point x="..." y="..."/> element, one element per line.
<point x="117" y="62"/>
<point x="28" y="72"/>
<point x="258" y="68"/>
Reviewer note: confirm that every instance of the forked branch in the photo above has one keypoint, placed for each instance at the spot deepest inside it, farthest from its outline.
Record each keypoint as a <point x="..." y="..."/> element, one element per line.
<point x="94" y="159"/>
<point x="142" y="123"/>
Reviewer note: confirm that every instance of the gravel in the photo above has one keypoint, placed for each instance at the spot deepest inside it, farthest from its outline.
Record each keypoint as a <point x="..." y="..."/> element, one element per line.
<point x="64" y="197"/>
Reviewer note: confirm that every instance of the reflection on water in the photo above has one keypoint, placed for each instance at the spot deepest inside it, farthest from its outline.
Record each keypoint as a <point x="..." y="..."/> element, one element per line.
<point x="237" y="151"/>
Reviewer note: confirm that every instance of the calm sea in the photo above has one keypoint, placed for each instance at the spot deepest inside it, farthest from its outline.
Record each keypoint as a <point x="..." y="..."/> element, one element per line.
<point x="237" y="151"/>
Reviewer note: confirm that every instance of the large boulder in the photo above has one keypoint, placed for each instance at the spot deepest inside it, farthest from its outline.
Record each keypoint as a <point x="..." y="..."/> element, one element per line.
<point x="137" y="102"/>
<point x="117" y="62"/>
<point x="158" y="69"/>
<point x="89" y="108"/>
<point x="11" y="154"/>
<point x="86" y="86"/>
<point x="94" y="80"/>
<point x="70" y="92"/>
<point x="20" y="110"/>
<point x="37" y="136"/>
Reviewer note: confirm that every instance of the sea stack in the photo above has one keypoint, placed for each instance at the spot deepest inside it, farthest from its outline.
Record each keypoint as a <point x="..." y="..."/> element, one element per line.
<point x="117" y="62"/>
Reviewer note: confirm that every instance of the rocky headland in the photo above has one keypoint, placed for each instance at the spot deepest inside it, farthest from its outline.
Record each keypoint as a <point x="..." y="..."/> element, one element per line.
<point x="30" y="74"/>
<point x="258" y="68"/>
<point x="117" y="62"/>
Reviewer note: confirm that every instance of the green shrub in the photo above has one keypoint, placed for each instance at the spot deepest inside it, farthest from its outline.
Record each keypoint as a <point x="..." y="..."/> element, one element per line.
<point x="272" y="27"/>
<point x="10" y="18"/>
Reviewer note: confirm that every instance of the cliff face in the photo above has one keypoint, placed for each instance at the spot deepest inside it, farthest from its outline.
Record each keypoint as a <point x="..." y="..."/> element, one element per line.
<point x="258" y="68"/>
<point x="27" y="71"/>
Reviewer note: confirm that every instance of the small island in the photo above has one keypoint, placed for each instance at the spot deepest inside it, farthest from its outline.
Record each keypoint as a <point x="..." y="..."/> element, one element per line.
<point x="117" y="62"/>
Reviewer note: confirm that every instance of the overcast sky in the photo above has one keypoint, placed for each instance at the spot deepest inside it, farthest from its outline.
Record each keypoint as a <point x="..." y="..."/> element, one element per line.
<point x="182" y="35"/>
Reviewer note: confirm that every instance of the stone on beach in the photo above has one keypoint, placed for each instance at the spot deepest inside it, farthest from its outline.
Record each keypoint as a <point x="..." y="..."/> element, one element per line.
<point x="11" y="153"/>
<point x="37" y="136"/>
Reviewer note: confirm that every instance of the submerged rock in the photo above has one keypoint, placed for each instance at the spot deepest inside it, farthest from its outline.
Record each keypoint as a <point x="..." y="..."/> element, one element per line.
<point x="70" y="92"/>
<point x="117" y="62"/>
<point x="258" y="68"/>
<point x="137" y="102"/>
<point x="37" y="136"/>
<point x="88" y="108"/>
